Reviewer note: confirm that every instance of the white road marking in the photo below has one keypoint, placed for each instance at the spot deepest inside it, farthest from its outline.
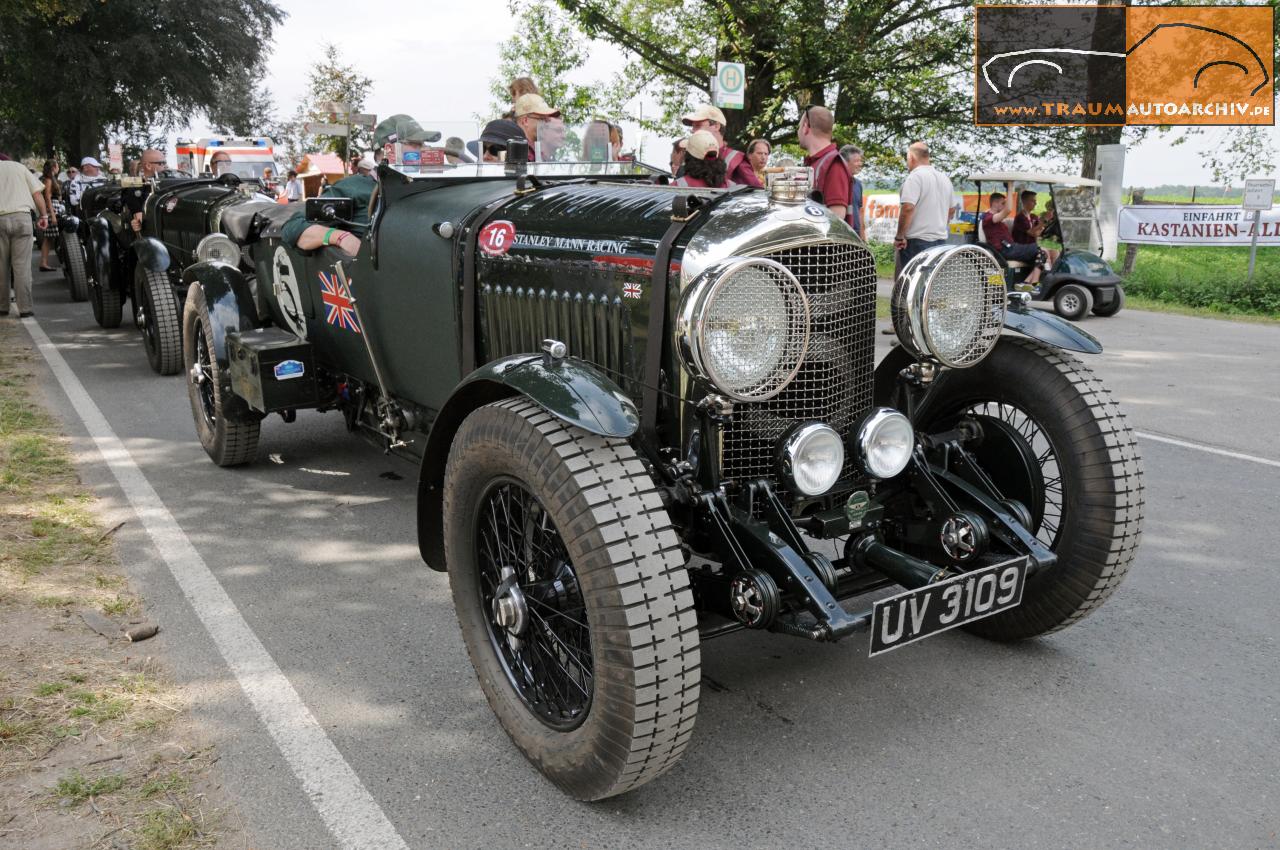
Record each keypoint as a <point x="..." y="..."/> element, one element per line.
<point x="1213" y="450"/>
<point x="342" y="801"/>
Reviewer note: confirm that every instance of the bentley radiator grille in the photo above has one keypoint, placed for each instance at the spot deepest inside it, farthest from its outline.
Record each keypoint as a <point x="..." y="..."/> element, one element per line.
<point x="835" y="383"/>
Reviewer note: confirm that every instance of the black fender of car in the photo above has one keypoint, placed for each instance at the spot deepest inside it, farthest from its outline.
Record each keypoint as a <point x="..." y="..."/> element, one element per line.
<point x="152" y="254"/>
<point x="69" y="223"/>
<point x="1048" y="328"/>
<point x="571" y="390"/>
<point x="99" y="247"/>
<point x="230" y="300"/>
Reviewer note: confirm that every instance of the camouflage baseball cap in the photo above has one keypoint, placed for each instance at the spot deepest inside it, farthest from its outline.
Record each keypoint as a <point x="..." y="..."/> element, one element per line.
<point x="402" y="128"/>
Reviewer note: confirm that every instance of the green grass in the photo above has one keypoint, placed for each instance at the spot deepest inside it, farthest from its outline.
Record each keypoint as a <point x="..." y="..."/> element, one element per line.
<point x="1209" y="279"/>
<point x="76" y="788"/>
<point x="165" y="829"/>
<point x="174" y="782"/>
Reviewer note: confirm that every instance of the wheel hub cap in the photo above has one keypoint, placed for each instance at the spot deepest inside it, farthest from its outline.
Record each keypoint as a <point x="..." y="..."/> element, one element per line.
<point x="511" y="609"/>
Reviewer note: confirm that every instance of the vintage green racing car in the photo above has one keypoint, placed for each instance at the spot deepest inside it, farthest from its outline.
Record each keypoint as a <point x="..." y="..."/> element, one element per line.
<point x="645" y="416"/>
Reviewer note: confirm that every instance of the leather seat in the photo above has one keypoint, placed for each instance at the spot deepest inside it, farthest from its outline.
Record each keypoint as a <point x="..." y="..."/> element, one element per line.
<point x="238" y="221"/>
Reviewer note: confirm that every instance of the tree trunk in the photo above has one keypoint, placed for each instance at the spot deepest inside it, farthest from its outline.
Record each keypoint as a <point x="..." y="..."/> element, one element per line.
<point x="1131" y="250"/>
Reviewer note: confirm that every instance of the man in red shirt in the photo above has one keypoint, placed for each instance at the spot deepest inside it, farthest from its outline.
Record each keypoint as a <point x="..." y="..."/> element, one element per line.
<point x="831" y="177"/>
<point x="995" y="231"/>
<point x="737" y="167"/>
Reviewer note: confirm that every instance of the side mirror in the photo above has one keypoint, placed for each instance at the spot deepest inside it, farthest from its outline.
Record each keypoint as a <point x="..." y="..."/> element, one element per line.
<point x="329" y="210"/>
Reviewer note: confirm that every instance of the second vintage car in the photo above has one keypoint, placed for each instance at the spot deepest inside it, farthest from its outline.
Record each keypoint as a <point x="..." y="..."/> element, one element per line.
<point x="646" y="416"/>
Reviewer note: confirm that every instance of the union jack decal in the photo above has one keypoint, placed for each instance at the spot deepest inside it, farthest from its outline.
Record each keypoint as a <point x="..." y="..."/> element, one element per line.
<point x="339" y="309"/>
<point x="632" y="289"/>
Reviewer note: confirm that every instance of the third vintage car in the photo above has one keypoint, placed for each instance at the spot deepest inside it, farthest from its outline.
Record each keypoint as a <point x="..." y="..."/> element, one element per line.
<point x="645" y="416"/>
<point x="184" y="221"/>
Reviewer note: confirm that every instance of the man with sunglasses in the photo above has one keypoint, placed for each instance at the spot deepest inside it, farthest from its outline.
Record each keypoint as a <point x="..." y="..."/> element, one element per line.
<point x="494" y="138"/>
<point x="831" y="178"/>
<point x="737" y="167"/>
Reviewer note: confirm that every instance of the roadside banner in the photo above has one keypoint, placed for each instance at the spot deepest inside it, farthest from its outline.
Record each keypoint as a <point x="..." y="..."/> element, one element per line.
<point x="880" y="213"/>
<point x="1196" y="224"/>
<point x="115" y="156"/>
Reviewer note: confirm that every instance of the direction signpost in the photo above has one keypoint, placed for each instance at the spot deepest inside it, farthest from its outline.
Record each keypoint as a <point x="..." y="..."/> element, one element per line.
<point x="1258" y="196"/>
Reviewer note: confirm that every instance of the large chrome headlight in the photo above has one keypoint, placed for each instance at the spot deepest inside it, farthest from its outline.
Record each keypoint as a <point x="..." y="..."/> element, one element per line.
<point x="219" y="248"/>
<point x="744" y="327"/>
<point x="948" y="304"/>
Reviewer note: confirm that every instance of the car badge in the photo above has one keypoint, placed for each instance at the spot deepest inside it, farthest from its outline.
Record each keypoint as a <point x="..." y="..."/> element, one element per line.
<point x="856" y="507"/>
<point x="496" y="238"/>
<point x="815" y="210"/>
<point x="171" y="204"/>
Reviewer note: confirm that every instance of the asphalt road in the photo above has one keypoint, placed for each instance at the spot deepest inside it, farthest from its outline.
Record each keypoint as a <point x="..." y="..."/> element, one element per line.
<point x="1153" y="723"/>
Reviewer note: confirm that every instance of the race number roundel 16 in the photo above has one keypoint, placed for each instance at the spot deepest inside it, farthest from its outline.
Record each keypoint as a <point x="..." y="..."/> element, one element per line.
<point x="496" y="238"/>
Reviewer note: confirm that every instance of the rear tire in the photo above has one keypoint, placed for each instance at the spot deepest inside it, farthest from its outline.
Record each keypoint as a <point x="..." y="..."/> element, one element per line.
<point x="1095" y="481"/>
<point x="161" y="327"/>
<point x="227" y="441"/>
<point x="632" y="621"/>
<point x="76" y="268"/>
<point x="1116" y="305"/>
<point x="107" y="303"/>
<point x="1072" y="302"/>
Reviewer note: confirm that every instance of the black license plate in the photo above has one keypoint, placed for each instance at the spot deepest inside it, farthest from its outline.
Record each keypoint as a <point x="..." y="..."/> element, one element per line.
<point x="917" y="614"/>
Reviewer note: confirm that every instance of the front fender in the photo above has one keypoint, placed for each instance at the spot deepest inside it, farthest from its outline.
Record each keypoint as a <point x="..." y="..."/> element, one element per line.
<point x="99" y="251"/>
<point x="572" y="391"/>
<point x="69" y="223"/>
<point x="230" y="302"/>
<point x="1049" y="328"/>
<point x="152" y="254"/>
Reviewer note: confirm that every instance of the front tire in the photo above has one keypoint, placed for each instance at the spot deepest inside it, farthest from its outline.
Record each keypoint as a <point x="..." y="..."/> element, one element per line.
<point x="1072" y="302"/>
<point x="1090" y="485"/>
<point x="576" y="526"/>
<point x="161" y="327"/>
<point x="107" y="303"/>
<point x="76" y="268"/>
<point x="228" y="441"/>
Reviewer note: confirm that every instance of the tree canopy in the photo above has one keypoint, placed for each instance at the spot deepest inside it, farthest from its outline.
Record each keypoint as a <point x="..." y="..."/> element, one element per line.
<point x="75" y="71"/>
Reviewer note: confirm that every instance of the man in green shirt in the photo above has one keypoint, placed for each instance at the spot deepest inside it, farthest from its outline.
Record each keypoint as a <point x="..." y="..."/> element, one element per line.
<point x="359" y="187"/>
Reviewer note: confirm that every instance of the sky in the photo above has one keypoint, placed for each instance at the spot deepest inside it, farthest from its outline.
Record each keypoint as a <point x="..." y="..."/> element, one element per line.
<point x="434" y="60"/>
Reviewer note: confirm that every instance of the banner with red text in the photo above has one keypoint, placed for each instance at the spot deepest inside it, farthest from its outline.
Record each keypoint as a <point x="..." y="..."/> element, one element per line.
<point x="1195" y="224"/>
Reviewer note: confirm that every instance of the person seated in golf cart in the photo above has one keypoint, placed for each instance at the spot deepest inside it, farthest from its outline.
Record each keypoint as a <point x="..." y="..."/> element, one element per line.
<point x="1028" y="228"/>
<point x="995" y="232"/>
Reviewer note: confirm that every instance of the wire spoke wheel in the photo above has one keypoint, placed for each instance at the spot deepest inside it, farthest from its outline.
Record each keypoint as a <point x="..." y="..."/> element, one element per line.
<point x="1055" y="441"/>
<point x="537" y="622"/>
<point x="573" y="597"/>
<point x="1048" y="512"/>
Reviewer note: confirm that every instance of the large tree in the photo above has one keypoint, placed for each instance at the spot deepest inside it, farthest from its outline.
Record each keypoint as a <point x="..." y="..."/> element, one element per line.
<point x="889" y="69"/>
<point x="330" y="80"/>
<point x="75" y="71"/>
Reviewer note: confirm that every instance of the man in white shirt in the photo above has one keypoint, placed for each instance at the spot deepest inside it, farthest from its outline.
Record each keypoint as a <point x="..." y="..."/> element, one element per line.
<point x="924" y="204"/>
<point x="90" y="173"/>
<point x="293" y="188"/>
<point x="20" y="193"/>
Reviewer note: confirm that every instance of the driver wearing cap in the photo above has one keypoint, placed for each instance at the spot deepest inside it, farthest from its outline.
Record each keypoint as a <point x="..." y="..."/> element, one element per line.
<point x="405" y="132"/>
<point x="737" y="167"/>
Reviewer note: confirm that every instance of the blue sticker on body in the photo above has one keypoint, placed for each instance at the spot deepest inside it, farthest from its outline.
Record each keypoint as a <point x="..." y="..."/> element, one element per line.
<point x="286" y="369"/>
